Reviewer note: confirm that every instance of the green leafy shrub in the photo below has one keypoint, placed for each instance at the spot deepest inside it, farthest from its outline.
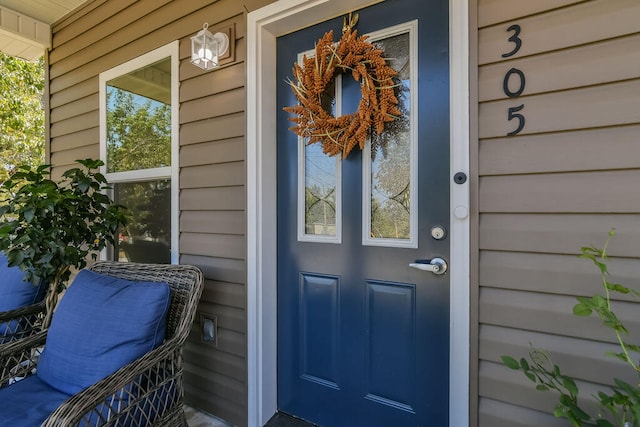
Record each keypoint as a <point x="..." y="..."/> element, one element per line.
<point x="48" y="228"/>
<point x="620" y="406"/>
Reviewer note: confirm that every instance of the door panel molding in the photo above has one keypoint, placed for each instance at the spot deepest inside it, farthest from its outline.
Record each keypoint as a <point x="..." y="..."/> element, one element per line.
<point x="263" y="26"/>
<point x="387" y="385"/>
<point x="319" y="304"/>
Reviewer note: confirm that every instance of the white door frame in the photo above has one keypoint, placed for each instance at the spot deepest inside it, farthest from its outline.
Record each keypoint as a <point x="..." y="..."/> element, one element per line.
<point x="263" y="26"/>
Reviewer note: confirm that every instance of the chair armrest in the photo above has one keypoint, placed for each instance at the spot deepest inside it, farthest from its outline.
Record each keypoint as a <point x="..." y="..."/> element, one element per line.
<point x="128" y="395"/>
<point x="20" y="353"/>
<point x="32" y="309"/>
<point x="22" y="322"/>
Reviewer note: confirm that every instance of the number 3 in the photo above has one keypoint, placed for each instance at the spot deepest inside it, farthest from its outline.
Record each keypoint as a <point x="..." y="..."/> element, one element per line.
<point x="514" y="39"/>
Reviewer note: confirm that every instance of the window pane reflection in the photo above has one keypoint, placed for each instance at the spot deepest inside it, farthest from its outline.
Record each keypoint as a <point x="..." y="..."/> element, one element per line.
<point x="320" y="192"/>
<point x="147" y="235"/>
<point x="139" y="119"/>
<point x="390" y="216"/>
<point x="390" y="195"/>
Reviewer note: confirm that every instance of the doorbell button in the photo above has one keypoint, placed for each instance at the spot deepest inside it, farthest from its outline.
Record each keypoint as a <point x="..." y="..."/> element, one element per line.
<point x="461" y="212"/>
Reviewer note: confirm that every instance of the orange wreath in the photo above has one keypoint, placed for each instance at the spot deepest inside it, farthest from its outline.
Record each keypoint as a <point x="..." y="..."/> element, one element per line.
<point x="377" y="107"/>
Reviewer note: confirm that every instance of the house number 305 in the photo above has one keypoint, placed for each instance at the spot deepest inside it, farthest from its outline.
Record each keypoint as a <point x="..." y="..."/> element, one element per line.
<point x="514" y="81"/>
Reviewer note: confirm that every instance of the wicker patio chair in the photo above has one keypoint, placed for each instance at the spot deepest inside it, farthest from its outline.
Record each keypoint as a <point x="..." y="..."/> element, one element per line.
<point x="147" y="392"/>
<point x="21" y="322"/>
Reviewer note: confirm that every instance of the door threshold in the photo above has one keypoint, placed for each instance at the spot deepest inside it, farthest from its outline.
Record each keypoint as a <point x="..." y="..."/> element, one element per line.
<point x="280" y="419"/>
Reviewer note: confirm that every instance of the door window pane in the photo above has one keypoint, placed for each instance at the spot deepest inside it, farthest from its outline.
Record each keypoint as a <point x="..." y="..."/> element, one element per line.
<point x="391" y="193"/>
<point x="319" y="182"/>
<point x="320" y="192"/>
<point x="389" y="165"/>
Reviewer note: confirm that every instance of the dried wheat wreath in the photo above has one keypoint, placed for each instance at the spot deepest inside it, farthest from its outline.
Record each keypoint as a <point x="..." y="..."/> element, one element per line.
<point x="367" y="65"/>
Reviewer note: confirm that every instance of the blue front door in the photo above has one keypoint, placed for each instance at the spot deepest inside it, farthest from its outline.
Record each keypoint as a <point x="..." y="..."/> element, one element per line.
<point x="363" y="337"/>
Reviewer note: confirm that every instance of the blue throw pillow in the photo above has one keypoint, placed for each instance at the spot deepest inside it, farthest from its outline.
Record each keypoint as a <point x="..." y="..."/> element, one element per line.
<point x="101" y="324"/>
<point x="15" y="292"/>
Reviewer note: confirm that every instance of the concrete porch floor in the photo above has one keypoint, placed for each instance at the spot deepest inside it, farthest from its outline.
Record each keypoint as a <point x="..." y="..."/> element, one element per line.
<point x="200" y="419"/>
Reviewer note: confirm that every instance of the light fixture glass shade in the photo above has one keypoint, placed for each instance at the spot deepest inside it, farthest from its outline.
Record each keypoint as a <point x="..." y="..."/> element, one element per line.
<point x="206" y="48"/>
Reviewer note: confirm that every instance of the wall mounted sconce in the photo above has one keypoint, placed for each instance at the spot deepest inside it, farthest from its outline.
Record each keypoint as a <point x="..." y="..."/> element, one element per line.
<point x="207" y="48"/>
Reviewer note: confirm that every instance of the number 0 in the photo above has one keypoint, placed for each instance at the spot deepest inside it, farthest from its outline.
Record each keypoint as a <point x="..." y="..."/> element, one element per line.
<point x="513" y="114"/>
<point x="505" y="83"/>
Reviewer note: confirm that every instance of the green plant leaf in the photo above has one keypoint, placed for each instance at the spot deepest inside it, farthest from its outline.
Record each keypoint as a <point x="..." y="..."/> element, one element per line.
<point x="570" y="385"/>
<point x="617" y="288"/>
<point x="574" y="420"/>
<point x="100" y="178"/>
<point x="29" y="213"/>
<point x="510" y="362"/>
<point x="590" y="251"/>
<point x="15" y="257"/>
<point x="84" y="184"/>
<point x="620" y="356"/>
<point x="91" y="163"/>
<point x="628" y="388"/>
<point x="582" y="310"/>
<point x="576" y="410"/>
<point x="599" y="301"/>
<point x="559" y="411"/>
<point x="602" y="266"/>
<point x="633" y="347"/>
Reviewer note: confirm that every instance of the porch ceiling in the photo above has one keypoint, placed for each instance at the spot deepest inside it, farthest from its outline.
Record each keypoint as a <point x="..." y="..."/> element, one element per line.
<point x="25" y="25"/>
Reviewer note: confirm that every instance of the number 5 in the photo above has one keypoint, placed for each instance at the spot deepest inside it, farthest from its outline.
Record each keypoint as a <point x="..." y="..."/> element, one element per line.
<point x="513" y="114"/>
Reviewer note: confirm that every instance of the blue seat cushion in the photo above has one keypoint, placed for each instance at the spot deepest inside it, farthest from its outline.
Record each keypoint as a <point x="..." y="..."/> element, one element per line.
<point x="29" y="402"/>
<point x="15" y="292"/>
<point x="101" y="324"/>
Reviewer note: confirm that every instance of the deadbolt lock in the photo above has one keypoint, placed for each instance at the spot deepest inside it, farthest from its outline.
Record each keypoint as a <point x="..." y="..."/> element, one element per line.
<point x="438" y="232"/>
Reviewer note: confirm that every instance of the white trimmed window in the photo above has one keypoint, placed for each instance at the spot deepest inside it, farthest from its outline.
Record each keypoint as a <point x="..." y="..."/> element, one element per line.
<point x="139" y="146"/>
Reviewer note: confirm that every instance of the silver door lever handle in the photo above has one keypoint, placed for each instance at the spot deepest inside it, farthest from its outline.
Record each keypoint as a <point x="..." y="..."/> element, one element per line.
<point x="435" y="265"/>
